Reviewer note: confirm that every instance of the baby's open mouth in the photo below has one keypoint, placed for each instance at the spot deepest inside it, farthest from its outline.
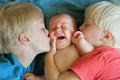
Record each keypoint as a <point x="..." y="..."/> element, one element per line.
<point x="61" y="37"/>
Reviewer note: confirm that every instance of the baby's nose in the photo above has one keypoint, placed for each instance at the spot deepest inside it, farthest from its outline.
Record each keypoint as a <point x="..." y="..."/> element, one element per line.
<point x="58" y="29"/>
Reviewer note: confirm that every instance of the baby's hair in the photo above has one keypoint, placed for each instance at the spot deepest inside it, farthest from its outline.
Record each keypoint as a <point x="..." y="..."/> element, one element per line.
<point x="106" y="16"/>
<point x="62" y="14"/>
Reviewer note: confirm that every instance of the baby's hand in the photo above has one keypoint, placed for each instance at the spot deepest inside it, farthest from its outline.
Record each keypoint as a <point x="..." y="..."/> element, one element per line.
<point x="30" y="76"/>
<point x="77" y="37"/>
<point x="82" y="44"/>
<point x="53" y="44"/>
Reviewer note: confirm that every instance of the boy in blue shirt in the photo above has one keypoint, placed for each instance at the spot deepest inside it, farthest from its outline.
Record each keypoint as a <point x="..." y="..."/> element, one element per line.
<point x="22" y="33"/>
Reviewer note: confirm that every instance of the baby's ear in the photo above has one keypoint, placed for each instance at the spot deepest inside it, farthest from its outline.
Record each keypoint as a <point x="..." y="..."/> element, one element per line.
<point x="107" y="36"/>
<point x="24" y="38"/>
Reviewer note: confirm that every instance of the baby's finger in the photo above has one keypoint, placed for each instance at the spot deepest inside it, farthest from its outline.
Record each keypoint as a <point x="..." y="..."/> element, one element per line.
<point x="27" y="75"/>
<point x="76" y="34"/>
<point x="53" y="44"/>
<point x="52" y="36"/>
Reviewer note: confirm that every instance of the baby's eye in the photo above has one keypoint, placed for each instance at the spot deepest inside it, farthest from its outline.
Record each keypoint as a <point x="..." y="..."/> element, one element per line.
<point x="65" y="27"/>
<point x="62" y="27"/>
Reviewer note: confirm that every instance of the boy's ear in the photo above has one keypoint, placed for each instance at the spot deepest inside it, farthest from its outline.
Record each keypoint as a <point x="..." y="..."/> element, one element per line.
<point x="107" y="36"/>
<point x="24" y="39"/>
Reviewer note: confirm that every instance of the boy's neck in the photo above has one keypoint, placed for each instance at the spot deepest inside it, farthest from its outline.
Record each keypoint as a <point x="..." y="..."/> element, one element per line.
<point x="25" y="57"/>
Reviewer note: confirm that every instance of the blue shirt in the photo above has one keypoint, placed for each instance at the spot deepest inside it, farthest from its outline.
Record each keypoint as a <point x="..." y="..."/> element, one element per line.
<point x="12" y="69"/>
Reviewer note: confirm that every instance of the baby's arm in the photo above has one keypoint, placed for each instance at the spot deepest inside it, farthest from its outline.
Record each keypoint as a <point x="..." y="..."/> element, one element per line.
<point x="31" y="76"/>
<point x="81" y="43"/>
<point x="51" y="70"/>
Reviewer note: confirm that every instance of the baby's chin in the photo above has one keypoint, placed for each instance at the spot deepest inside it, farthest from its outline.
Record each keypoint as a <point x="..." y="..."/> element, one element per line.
<point x="62" y="46"/>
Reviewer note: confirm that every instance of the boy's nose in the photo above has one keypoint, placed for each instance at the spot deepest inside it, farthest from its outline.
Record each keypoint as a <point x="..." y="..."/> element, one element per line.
<point x="80" y="28"/>
<point x="46" y="31"/>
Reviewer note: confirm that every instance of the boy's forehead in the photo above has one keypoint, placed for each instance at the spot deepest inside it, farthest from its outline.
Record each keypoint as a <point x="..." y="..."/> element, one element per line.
<point x="38" y="22"/>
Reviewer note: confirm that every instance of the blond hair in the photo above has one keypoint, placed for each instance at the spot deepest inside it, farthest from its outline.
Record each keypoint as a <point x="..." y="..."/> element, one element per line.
<point x="106" y="16"/>
<point x="16" y="18"/>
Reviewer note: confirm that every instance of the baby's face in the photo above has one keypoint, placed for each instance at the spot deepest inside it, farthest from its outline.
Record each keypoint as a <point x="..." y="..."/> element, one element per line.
<point x="91" y="32"/>
<point x="63" y="28"/>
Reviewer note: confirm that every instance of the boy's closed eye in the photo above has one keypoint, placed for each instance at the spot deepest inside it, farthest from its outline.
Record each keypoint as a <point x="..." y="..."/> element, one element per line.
<point x="86" y="24"/>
